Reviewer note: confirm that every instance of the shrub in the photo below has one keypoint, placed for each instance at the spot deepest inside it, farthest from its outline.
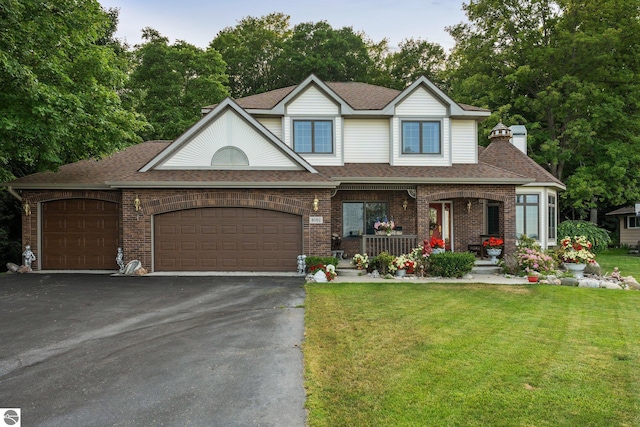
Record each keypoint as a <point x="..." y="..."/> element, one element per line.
<point x="315" y="260"/>
<point x="451" y="264"/>
<point x="597" y="236"/>
<point x="382" y="262"/>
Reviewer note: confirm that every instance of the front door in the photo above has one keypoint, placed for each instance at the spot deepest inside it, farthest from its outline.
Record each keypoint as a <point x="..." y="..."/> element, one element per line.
<point x="440" y="222"/>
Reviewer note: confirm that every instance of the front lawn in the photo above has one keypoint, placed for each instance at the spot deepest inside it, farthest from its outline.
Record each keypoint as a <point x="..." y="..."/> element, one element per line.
<point x="394" y="354"/>
<point x="628" y="264"/>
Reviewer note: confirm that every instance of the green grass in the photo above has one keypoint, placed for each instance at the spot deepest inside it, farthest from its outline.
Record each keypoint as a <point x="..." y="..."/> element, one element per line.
<point x="629" y="265"/>
<point x="471" y="355"/>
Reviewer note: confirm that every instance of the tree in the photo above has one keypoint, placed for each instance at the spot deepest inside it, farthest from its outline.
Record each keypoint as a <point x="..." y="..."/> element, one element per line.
<point x="332" y="55"/>
<point x="59" y="100"/>
<point x="415" y="58"/>
<point x="171" y="83"/>
<point x="250" y="50"/>
<point x="568" y="71"/>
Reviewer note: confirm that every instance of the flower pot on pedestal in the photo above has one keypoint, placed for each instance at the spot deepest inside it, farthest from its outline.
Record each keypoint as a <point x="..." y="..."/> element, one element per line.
<point x="494" y="253"/>
<point x="576" y="269"/>
<point x="437" y="251"/>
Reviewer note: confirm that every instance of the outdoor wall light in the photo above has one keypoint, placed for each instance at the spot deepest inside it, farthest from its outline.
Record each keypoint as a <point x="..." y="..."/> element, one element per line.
<point x="469" y="206"/>
<point x="26" y="208"/>
<point x="136" y="203"/>
<point x="316" y="202"/>
<point x="405" y="204"/>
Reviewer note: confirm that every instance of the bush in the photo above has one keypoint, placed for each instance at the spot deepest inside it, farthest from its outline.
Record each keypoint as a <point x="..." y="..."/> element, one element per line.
<point x="315" y="260"/>
<point x="382" y="262"/>
<point x="598" y="237"/>
<point x="451" y="264"/>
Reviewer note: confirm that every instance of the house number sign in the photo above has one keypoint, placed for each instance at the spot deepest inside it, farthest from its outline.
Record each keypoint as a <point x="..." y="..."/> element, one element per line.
<point x="315" y="220"/>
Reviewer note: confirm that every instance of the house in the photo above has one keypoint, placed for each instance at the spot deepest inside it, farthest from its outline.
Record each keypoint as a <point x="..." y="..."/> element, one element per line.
<point x="629" y="224"/>
<point x="259" y="180"/>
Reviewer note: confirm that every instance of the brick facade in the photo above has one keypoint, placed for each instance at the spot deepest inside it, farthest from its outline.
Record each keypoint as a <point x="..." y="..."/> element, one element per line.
<point x="136" y="227"/>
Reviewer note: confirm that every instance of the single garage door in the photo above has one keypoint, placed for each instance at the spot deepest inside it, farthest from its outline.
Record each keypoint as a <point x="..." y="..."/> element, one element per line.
<point x="79" y="234"/>
<point x="227" y="239"/>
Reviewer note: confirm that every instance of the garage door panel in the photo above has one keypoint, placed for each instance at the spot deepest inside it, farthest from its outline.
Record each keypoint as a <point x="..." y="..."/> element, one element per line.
<point x="79" y="234"/>
<point x="228" y="239"/>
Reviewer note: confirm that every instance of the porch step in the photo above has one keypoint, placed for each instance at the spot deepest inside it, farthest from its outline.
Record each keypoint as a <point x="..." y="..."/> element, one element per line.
<point x="345" y="268"/>
<point x="485" y="267"/>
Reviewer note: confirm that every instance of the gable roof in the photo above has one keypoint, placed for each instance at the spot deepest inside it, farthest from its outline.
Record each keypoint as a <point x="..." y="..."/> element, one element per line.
<point x="627" y="210"/>
<point x="359" y="97"/>
<point x="227" y="105"/>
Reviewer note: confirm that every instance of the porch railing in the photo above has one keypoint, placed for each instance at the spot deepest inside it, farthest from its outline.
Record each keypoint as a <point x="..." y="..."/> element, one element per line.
<point x="395" y="245"/>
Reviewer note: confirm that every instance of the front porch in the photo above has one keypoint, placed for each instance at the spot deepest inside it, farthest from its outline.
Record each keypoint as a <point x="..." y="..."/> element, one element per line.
<point x="464" y="216"/>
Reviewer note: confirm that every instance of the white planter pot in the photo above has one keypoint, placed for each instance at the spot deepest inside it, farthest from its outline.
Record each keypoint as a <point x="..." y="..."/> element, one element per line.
<point x="576" y="269"/>
<point x="437" y="250"/>
<point x="494" y="253"/>
<point x="401" y="273"/>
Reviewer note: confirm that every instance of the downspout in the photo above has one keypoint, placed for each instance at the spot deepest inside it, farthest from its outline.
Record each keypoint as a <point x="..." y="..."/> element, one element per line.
<point x="14" y="193"/>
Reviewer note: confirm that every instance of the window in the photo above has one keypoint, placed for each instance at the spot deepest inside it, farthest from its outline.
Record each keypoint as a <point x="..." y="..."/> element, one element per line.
<point x="493" y="219"/>
<point x="229" y="156"/>
<point x="420" y="137"/>
<point x="359" y="217"/>
<point x="553" y="217"/>
<point x="527" y="218"/>
<point x="313" y="136"/>
<point x="633" y="222"/>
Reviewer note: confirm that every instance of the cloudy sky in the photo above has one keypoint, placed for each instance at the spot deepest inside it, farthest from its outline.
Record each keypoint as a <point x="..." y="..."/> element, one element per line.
<point x="198" y="21"/>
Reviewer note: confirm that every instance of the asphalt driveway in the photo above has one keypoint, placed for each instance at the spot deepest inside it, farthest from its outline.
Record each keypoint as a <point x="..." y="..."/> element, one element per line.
<point x="94" y="350"/>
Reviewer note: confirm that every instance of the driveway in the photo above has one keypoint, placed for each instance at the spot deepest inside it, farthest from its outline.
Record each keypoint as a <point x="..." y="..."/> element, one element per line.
<point x="96" y="350"/>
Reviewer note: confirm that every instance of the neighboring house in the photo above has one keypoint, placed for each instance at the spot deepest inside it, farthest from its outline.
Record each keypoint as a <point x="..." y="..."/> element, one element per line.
<point x="628" y="224"/>
<point x="259" y="180"/>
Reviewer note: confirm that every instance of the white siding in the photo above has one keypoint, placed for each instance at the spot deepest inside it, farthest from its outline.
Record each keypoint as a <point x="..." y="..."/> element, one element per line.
<point x="421" y="103"/>
<point x="443" y="159"/>
<point x="273" y="124"/>
<point x="464" y="144"/>
<point x="366" y="141"/>
<point x="312" y="102"/>
<point x="228" y="130"/>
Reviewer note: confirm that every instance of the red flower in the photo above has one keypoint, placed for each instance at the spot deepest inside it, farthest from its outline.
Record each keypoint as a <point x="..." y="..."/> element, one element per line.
<point x="493" y="243"/>
<point x="436" y="243"/>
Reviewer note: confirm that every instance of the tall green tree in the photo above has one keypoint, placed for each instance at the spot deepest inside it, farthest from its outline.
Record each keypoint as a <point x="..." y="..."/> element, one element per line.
<point x="172" y="82"/>
<point x="250" y="50"/>
<point x="568" y="70"/>
<point x="415" y="58"/>
<point x="338" y="55"/>
<point x="59" y="100"/>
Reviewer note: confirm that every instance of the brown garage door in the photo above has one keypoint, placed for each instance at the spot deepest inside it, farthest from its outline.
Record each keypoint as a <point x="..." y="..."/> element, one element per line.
<point x="227" y="239"/>
<point x="79" y="234"/>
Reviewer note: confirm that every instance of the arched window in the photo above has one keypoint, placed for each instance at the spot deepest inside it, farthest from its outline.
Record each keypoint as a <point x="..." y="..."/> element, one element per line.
<point x="229" y="156"/>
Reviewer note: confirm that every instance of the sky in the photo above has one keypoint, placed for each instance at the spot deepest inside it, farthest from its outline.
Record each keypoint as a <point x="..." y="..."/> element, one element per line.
<point x="197" y="21"/>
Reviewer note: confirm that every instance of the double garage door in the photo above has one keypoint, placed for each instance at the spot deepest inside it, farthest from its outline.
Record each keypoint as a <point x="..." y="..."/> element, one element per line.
<point x="227" y="239"/>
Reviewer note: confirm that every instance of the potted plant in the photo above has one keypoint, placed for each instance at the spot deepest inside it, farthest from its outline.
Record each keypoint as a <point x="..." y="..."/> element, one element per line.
<point x="493" y="246"/>
<point x="401" y="264"/>
<point x="384" y="227"/>
<point x="437" y="245"/>
<point x="575" y="253"/>
<point x="361" y="261"/>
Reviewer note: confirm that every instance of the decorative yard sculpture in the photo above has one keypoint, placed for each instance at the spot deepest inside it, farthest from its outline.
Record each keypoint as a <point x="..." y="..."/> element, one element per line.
<point x="28" y="257"/>
<point x="120" y="260"/>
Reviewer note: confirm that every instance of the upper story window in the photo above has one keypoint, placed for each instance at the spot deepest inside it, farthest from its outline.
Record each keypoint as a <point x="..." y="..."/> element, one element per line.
<point x="229" y="156"/>
<point x="421" y="137"/>
<point x="313" y="136"/>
